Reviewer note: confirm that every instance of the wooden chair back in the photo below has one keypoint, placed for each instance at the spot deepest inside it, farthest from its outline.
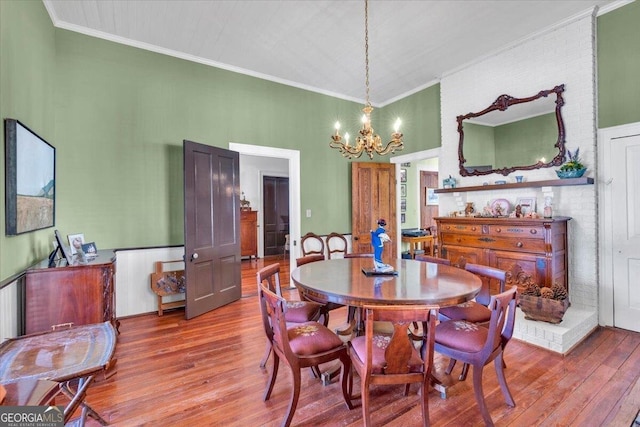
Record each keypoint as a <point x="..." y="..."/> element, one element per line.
<point x="336" y="244"/>
<point x="311" y="244"/>
<point x="270" y="275"/>
<point x="487" y="274"/>
<point x="309" y="258"/>
<point x="391" y="358"/>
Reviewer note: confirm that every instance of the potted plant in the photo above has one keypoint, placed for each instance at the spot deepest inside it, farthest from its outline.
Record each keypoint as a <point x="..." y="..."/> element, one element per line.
<point x="543" y="303"/>
<point x="573" y="167"/>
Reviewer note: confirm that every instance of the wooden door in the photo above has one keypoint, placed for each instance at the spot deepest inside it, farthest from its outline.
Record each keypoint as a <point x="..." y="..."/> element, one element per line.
<point x="428" y="180"/>
<point x="625" y="197"/>
<point x="211" y="227"/>
<point x="275" y="196"/>
<point x="373" y="196"/>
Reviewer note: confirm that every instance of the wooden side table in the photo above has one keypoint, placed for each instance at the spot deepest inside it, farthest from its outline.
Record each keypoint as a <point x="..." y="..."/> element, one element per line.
<point x="71" y="357"/>
<point x="419" y="242"/>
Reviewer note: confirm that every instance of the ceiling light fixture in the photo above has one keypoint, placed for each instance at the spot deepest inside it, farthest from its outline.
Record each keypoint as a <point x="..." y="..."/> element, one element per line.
<point x="368" y="141"/>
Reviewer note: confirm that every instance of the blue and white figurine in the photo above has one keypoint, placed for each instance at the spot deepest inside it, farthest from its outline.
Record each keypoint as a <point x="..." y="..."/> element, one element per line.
<point x="378" y="238"/>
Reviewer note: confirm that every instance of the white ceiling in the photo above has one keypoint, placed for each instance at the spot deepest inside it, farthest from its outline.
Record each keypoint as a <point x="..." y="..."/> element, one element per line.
<point x="319" y="45"/>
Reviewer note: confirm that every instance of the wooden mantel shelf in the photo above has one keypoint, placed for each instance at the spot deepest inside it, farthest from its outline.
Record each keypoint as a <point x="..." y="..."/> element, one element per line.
<point x="547" y="183"/>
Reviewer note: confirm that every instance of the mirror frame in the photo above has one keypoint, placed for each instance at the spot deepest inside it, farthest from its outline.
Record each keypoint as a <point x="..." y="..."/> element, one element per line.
<point x="502" y="103"/>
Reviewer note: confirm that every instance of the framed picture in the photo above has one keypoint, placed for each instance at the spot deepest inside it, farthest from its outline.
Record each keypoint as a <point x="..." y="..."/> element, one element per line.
<point x="75" y="242"/>
<point x="402" y="218"/>
<point x="527" y="204"/>
<point x="403" y="190"/>
<point x="403" y="205"/>
<point x="90" y="249"/>
<point x="403" y="175"/>
<point x="64" y="248"/>
<point x="29" y="180"/>
<point x="432" y="197"/>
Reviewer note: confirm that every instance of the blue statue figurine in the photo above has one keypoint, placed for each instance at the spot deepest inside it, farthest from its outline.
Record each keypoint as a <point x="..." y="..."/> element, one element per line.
<point x="378" y="238"/>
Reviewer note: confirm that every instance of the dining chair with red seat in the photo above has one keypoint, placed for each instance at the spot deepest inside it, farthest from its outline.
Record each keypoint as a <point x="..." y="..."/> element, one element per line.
<point x="475" y="311"/>
<point x="478" y="345"/>
<point x="312" y="244"/>
<point x="297" y="311"/>
<point x="301" y="345"/>
<point x="388" y="356"/>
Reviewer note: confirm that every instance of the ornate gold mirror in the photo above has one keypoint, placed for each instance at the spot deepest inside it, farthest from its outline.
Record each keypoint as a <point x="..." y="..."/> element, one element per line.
<point x="513" y="134"/>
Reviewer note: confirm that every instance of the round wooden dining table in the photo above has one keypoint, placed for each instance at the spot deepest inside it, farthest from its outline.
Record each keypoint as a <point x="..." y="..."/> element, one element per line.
<point x="342" y="281"/>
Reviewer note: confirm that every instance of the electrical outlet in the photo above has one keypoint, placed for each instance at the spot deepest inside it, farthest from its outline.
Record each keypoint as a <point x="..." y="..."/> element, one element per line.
<point x="308" y="213"/>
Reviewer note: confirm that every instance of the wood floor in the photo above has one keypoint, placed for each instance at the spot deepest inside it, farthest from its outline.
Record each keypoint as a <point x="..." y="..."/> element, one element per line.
<point x="204" y="372"/>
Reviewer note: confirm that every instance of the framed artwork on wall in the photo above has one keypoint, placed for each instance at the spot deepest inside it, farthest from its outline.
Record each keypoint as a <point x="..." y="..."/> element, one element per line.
<point x="29" y="180"/>
<point x="403" y="205"/>
<point x="432" y="197"/>
<point x="403" y="175"/>
<point x="403" y="190"/>
<point x="402" y="218"/>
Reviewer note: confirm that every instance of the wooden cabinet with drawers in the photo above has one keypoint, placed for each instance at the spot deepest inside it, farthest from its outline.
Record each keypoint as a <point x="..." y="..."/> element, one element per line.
<point x="249" y="233"/>
<point x="528" y="249"/>
<point x="76" y="294"/>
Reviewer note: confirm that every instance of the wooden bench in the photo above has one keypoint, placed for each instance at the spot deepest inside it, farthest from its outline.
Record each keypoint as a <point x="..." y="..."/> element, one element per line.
<point x="165" y="283"/>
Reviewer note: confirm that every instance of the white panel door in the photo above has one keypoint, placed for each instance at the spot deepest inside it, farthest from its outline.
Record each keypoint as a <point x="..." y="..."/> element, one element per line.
<point x="625" y="197"/>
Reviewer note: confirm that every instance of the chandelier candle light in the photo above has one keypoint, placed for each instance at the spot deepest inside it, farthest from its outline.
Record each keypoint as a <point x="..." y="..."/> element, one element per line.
<point x="368" y="141"/>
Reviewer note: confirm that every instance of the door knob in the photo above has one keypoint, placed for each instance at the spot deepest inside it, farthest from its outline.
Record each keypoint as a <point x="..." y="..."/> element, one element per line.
<point x="194" y="256"/>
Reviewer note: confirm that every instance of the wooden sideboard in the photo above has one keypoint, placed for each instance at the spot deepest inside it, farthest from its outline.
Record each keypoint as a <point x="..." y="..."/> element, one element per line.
<point x="249" y="233"/>
<point x="77" y="294"/>
<point x="528" y="249"/>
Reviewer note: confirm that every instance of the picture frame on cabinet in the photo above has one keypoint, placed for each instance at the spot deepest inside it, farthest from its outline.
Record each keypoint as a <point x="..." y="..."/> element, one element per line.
<point x="527" y="204"/>
<point x="75" y="242"/>
<point x="66" y="252"/>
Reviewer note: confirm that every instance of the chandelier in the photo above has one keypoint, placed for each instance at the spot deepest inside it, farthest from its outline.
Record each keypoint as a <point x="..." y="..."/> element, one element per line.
<point x="368" y="141"/>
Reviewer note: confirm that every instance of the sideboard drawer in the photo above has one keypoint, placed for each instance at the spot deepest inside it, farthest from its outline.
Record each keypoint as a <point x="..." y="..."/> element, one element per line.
<point x="462" y="228"/>
<point x="494" y="242"/>
<point x="517" y="231"/>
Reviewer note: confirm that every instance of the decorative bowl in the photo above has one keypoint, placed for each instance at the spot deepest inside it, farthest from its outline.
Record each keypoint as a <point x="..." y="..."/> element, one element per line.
<point x="576" y="173"/>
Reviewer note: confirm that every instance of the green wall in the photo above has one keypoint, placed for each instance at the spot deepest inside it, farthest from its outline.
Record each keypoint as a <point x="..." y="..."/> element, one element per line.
<point x="27" y="83"/>
<point x="619" y="66"/>
<point x="117" y="116"/>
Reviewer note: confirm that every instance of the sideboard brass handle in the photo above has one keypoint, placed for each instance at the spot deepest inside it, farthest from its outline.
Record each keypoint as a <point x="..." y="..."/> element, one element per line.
<point x="498" y="230"/>
<point x="473" y="229"/>
<point x="534" y="231"/>
<point x="519" y="244"/>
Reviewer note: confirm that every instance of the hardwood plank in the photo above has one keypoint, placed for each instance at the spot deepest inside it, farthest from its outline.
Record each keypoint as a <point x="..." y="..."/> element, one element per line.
<point x="205" y="372"/>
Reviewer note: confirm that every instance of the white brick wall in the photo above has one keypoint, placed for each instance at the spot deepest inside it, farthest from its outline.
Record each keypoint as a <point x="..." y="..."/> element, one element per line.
<point x="561" y="55"/>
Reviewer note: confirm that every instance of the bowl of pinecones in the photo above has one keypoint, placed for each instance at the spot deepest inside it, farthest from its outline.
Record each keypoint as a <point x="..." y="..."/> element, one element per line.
<point x="544" y="303"/>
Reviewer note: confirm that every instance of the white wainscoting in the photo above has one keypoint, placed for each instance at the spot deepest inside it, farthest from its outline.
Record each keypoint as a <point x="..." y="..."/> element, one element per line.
<point x="9" y="311"/>
<point x="133" y="270"/>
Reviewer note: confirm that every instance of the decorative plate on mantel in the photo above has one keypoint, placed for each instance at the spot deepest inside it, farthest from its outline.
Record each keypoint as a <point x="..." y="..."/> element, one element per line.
<point x="500" y="207"/>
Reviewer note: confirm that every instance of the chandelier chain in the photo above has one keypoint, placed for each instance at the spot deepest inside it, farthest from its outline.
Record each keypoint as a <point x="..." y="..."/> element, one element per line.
<point x="366" y="50"/>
